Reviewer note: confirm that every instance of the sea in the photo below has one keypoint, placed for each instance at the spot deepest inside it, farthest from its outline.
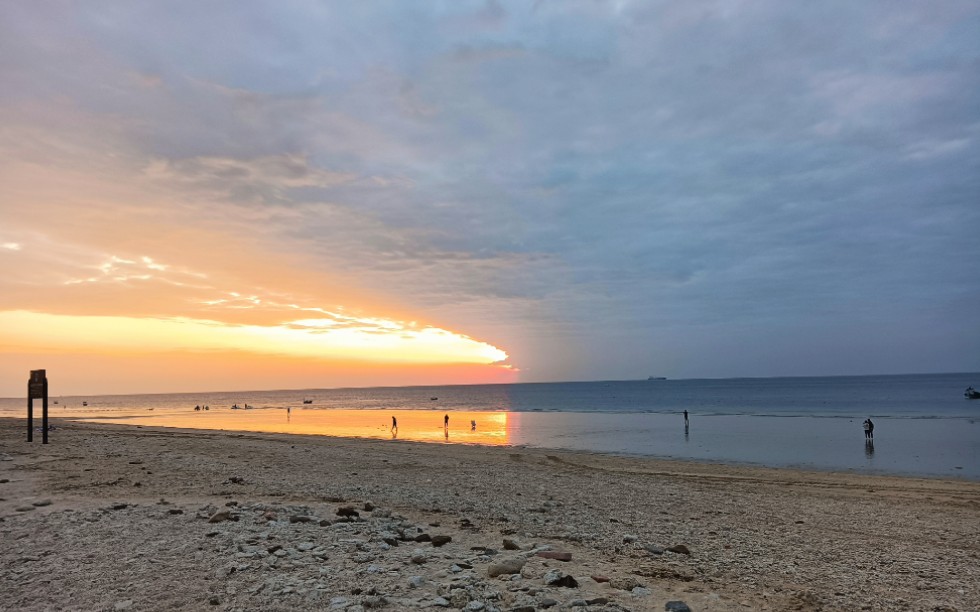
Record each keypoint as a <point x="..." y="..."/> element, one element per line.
<point x="924" y="426"/>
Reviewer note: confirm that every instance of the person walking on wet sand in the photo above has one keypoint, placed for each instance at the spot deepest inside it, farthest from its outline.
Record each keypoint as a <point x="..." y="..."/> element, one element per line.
<point x="445" y="422"/>
<point x="394" y="424"/>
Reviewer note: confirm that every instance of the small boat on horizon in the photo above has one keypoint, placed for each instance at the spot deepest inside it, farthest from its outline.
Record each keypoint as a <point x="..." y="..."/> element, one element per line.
<point x="656" y="378"/>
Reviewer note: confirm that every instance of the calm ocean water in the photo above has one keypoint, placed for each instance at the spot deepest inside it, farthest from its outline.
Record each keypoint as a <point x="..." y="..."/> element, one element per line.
<point x="924" y="425"/>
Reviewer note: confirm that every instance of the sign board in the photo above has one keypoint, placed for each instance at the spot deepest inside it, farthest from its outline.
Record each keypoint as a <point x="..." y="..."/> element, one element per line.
<point x="36" y="385"/>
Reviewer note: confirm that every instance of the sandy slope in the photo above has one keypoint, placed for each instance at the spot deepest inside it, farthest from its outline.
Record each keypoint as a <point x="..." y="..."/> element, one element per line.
<point x="759" y="539"/>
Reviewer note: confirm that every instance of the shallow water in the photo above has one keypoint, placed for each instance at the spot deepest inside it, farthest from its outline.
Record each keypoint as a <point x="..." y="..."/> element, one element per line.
<point x="923" y="425"/>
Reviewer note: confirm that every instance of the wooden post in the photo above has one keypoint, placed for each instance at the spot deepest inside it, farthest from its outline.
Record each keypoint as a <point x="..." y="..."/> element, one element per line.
<point x="37" y="388"/>
<point x="30" y="413"/>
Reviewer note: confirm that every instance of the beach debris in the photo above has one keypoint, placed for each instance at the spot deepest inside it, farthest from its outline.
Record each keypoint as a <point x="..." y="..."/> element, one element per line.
<point x="679" y="549"/>
<point x="676" y="606"/>
<point x="557" y="578"/>
<point x="553" y="554"/>
<point x="441" y="540"/>
<point x="503" y="567"/>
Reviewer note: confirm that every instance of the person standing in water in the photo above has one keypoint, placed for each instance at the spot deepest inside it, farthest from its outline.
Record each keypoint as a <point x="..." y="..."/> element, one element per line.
<point x="445" y="422"/>
<point x="685" y="419"/>
<point x="871" y="429"/>
<point x="867" y="429"/>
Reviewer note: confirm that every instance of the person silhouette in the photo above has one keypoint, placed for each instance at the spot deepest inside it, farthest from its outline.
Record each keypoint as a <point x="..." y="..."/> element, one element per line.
<point x="869" y="429"/>
<point x="445" y="422"/>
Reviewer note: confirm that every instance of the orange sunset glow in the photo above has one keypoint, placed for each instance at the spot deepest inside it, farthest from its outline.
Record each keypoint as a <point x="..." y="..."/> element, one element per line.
<point x="140" y="323"/>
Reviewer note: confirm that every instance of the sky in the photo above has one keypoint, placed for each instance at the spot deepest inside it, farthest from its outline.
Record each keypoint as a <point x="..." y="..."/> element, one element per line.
<point x="266" y="195"/>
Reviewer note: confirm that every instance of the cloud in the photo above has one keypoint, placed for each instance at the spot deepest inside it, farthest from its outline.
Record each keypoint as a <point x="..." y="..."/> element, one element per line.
<point x="550" y="176"/>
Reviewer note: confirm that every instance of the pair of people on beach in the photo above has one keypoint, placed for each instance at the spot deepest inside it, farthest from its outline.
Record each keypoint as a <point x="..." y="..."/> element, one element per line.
<point x="869" y="429"/>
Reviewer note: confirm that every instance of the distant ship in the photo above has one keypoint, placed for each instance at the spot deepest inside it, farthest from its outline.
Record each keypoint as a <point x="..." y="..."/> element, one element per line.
<point x="656" y="378"/>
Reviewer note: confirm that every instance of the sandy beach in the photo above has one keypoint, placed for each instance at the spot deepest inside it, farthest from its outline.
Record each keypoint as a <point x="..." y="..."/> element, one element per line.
<point x="111" y="517"/>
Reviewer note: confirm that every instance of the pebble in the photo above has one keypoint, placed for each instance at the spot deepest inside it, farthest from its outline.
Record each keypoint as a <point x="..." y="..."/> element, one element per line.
<point x="641" y="592"/>
<point x="557" y="556"/>
<point x="43" y="502"/>
<point x="557" y="578"/>
<point x="441" y="540"/>
<point x="680" y="549"/>
<point x="220" y="516"/>
<point x="511" y="545"/>
<point x="624" y="583"/>
<point x="676" y="606"/>
<point x="475" y="606"/>
<point x="506" y="566"/>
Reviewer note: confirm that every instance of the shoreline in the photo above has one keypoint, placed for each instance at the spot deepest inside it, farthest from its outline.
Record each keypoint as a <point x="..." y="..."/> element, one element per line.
<point x="758" y="538"/>
<point x="815" y="444"/>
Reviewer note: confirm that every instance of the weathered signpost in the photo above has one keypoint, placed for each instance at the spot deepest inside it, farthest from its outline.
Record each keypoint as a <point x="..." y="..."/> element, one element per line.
<point x="37" y="388"/>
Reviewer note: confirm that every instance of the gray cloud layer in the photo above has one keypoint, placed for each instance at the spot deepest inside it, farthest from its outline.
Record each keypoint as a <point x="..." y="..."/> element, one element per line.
<point x="604" y="189"/>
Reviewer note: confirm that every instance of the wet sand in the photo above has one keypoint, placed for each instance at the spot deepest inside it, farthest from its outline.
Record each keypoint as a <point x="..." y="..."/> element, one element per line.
<point x="117" y="517"/>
